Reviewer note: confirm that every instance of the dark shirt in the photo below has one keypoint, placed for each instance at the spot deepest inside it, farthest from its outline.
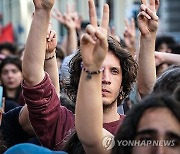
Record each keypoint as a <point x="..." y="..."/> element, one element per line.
<point x="11" y="129"/>
<point x="10" y="104"/>
<point x="51" y="121"/>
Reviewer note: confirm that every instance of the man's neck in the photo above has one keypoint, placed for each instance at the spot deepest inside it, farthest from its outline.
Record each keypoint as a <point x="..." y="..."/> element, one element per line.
<point x="110" y="114"/>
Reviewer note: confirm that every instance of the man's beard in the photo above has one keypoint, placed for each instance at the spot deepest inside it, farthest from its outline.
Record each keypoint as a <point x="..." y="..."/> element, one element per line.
<point x="107" y="106"/>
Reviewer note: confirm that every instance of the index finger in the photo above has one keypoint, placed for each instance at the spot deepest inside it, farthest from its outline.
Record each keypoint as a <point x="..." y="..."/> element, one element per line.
<point x="68" y="8"/>
<point x="105" y="18"/>
<point x="58" y="13"/>
<point x="92" y="13"/>
<point x="132" y="23"/>
<point x="126" y="22"/>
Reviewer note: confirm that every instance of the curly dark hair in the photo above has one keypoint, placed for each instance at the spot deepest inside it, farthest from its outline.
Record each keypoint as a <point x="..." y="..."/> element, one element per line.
<point x="128" y="65"/>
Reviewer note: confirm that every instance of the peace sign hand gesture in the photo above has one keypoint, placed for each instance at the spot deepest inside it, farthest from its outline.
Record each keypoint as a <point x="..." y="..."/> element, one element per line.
<point x="94" y="45"/>
<point x="147" y="18"/>
<point x="70" y="19"/>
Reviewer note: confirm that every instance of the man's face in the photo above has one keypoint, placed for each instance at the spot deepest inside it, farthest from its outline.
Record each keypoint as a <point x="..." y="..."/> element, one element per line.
<point x="158" y="125"/>
<point x="111" y="79"/>
<point x="11" y="76"/>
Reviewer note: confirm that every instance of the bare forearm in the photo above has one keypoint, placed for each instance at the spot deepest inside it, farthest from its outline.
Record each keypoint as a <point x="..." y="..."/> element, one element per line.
<point x="50" y="66"/>
<point x="25" y="122"/>
<point x="89" y="111"/>
<point x="170" y="58"/>
<point x="34" y="55"/>
<point x="71" y="41"/>
<point x="146" y="61"/>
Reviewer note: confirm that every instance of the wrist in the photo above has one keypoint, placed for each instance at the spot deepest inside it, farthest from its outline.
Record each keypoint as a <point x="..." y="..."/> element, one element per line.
<point x="43" y="12"/>
<point x="50" y="55"/>
<point x="91" y="68"/>
<point x="71" y="30"/>
<point x="91" y="72"/>
<point x="149" y="36"/>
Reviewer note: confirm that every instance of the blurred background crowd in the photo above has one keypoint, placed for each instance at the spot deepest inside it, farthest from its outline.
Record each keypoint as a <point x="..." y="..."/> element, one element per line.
<point x="18" y="14"/>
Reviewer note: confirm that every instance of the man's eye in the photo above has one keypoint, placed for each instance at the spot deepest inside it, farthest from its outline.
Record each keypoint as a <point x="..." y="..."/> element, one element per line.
<point x="114" y="71"/>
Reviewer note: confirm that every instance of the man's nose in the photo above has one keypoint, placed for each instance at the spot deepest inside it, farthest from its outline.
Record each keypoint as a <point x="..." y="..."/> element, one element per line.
<point x="106" y="77"/>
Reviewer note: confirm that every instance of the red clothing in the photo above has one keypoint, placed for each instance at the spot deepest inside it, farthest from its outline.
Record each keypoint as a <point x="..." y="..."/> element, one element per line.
<point x="51" y="121"/>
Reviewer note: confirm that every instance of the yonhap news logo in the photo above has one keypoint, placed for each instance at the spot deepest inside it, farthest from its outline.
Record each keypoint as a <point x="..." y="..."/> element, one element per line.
<point x="109" y="142"/>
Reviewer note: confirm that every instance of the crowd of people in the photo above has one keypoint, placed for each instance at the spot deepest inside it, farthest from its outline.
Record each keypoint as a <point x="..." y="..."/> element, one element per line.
<point x="94" y="91"/>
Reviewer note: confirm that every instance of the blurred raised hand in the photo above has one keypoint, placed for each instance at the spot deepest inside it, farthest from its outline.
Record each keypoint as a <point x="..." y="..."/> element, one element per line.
<point x="130" y="35"/>
<point x="72" y="22"/>
<point x="70" y="19"/>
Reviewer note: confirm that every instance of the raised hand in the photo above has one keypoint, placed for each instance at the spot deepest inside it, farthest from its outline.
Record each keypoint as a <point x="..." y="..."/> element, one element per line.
<point x="70" y="19"/>
<point x="130" y="34"/>
<point x="43" y="4"/>
<point x="94" y="45"/>
<point x="147" y="18"/>
<point x="51" y="40"/>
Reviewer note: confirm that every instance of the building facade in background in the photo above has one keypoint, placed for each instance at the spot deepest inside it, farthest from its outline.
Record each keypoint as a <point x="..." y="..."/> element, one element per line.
<point x="19" y="13"/>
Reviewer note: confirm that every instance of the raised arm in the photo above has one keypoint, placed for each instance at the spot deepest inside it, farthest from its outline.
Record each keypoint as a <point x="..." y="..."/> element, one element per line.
<point x="50" y="120"/>
<point x="130" y="36"/>
<point x="169" y="58"/>
<point x="69" y="20"/>
<point x="89" y="110"/>
<point x="148" y="24"/>
<point x="50" y="66"/>
<point x="50" y="63"/>
<point x="33" y="60"/>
